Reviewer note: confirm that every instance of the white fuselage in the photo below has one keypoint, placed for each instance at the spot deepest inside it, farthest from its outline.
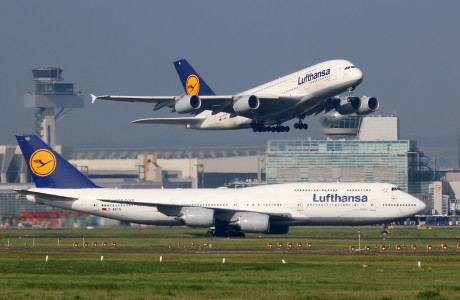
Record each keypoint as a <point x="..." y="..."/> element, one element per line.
<point x="296" y="203"/>
<point x="309" y="92"/>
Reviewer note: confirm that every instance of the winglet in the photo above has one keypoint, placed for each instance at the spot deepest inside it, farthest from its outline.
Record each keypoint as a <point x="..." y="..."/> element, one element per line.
<point x="93" y="98"/>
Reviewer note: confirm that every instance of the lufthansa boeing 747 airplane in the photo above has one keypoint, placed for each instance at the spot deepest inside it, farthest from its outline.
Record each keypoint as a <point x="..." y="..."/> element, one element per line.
<point x="261" y="209"/>
<point x="266" y="107"/>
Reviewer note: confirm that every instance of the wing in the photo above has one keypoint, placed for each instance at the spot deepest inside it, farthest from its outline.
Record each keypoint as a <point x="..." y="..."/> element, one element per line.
<point x="169" y="209"/>
<point x="212" y="102"/>
<point x="325" y="106"/>
<point x="160" y="101"/>
<point x="170" y="121"/>
<point x="270" y="106"/>
<point x="216" y="103"/>
<point x="145" y="99"/>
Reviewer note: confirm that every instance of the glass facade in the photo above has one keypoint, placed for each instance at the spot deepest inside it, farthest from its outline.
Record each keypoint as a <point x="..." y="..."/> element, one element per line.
<point x="47" y="73"/>
<point x="349" y="161"/>
<point x="54" y="88"/>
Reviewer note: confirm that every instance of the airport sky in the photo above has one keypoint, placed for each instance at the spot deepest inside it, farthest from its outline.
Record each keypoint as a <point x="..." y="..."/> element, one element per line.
<point x="407" y="50"/>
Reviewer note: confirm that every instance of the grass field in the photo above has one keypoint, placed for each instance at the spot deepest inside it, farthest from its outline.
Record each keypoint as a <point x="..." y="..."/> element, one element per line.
<point x="192" y="265"/>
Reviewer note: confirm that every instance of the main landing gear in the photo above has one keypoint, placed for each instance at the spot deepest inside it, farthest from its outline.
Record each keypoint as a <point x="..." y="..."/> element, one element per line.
<point x="300" y="125"/>
<point x="263" y="128"/>
<point x="385" y="230"/>
<point x="219" y="232"/>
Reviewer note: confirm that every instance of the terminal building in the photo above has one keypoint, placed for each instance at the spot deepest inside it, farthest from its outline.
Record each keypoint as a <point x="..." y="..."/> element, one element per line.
<point x="357" y="148"/>
<point x="344" y="160"/>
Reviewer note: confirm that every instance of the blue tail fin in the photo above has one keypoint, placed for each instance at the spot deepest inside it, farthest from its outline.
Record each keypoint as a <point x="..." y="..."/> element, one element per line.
<point x="48" y="168"/>
<point x="192" y="82"/>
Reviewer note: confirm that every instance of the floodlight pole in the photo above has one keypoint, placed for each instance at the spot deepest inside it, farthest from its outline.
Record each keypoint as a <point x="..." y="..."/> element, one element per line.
<point x="359" y="240"/>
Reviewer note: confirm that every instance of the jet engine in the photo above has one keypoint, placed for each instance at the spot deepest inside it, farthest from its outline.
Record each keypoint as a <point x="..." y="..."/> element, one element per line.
<point x="246" y="103"/>
<point x="187" y="104"/>
<point x="368" y="105"/>
<point x="197" y="216"/>
<point x="254" y="222"/>
<point x="349" y="105"/>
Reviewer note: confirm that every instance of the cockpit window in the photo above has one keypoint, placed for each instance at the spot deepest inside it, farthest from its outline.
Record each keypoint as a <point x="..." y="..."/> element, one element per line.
<point x="397" y="188"/>
<point x="349" y="67"/>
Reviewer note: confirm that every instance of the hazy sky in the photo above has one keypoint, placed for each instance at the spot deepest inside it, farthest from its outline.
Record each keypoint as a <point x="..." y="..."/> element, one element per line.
<point x="407" y="50"/>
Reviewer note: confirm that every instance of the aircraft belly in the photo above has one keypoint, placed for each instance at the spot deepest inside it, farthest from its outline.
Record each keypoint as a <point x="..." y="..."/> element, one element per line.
<point x="225" y="123"/>
<point x="149" y="216"/>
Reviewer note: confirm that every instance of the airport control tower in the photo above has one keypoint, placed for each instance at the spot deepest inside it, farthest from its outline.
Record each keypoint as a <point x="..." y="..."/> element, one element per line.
<point x="51" y="93"/>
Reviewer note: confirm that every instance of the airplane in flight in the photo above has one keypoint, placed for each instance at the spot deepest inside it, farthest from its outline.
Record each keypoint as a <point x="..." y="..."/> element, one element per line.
<point x="269" y="209"/>
<point x="264" y="108"/>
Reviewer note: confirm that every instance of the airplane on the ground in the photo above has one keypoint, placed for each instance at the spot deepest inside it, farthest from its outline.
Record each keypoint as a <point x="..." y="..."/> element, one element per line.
<point x="260" y="209"/>
<point x="264" y="108"/>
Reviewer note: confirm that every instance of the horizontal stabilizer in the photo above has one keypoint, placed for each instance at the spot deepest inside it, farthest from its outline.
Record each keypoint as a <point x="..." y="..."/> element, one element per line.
<point x="45" y="195"/>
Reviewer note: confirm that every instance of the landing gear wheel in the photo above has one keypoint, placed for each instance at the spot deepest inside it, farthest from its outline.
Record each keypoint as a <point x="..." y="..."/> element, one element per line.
<point x="300" y="125"/>
<point x="385" y="230"/>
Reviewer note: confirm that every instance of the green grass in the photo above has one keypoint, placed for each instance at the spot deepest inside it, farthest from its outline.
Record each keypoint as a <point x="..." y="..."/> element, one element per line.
<point x="132" y="270"/>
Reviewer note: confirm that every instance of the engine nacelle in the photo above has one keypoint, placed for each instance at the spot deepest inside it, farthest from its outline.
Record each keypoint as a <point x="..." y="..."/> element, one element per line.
<point x="254" y="222"/>
<point x="368" y="105"/>
<point x="349" y="105"/>
<point x="246" y="103"/>
<point x="197" y="216"/>
<point x="187" y="104"/>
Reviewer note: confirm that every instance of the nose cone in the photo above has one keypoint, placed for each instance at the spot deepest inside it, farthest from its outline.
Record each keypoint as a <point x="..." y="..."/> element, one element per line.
<point x="421" y="206"/>
<point x="358" y="76"/>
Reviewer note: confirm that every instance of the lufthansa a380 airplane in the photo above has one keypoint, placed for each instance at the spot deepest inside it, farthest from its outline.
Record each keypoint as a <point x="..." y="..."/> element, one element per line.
<point x="261" y="209"/>
<point x="265" y="107"/>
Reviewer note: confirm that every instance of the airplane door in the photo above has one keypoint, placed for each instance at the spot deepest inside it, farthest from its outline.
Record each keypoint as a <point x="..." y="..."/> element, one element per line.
<point x="235" y="203"/>
<point x="95" y="206"/>
<point x="300" y="206"/>
<point x="333" y="75"/>
<point x="372" y="203"/>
